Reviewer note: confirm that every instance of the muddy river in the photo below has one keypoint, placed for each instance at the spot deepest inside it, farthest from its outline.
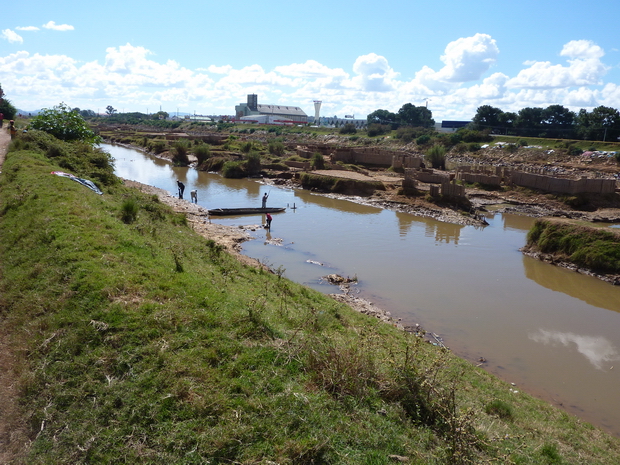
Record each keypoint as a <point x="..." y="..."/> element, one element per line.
<point x="552" y="332"/>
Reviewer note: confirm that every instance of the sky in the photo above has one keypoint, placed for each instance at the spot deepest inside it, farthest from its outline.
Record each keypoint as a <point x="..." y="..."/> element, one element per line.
<point x="204" y="57"/>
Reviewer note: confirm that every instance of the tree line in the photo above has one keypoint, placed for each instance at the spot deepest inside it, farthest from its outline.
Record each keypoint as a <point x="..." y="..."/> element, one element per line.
<point x="555" y="122"/>
<point x="408" y="115"/>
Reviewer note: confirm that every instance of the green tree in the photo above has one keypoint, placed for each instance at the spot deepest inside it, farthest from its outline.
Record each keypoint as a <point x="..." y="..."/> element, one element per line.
<point x="507" y="120"/>
<point x="530" y="121"/>
<point x="606" y="121"/>
<point x="487" y="117"/>
<point x="602" y="123"/>
<point x="64" y="124"/>
<point x="383" y="117"/>
<point x="87" y="113"/>
<point x="110" y="110"/>
<point x="6" y="108"/>
<point x="410" y="115"/>
<point x="558" y="122"/>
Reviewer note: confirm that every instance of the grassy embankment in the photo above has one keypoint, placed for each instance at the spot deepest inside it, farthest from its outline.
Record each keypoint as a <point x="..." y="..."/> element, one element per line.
<point x="138" y="341"/>
<point x="584" y="246"/>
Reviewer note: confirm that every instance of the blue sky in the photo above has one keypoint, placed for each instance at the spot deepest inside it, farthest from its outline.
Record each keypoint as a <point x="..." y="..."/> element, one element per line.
<point x="204" y="57"/>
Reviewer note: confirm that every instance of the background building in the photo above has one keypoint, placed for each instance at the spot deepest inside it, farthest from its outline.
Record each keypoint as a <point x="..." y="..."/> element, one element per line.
<point x="335" y="122"/>
<point x="270" y="114"/>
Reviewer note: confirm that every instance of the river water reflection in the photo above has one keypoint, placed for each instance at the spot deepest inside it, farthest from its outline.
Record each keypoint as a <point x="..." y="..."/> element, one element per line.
<point x="553" y="332"/>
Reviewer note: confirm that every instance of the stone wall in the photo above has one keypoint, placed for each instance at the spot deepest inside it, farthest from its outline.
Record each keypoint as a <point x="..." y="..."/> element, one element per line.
<point x="427" y="175"/>
<point x="451" y="189"/>
<point x="481" y="178"/>
<point x="298" y="164"/>
<point x="563" y="185"/>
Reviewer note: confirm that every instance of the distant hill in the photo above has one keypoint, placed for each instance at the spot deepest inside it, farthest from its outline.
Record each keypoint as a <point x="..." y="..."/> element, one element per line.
<point x="27" y="112"/>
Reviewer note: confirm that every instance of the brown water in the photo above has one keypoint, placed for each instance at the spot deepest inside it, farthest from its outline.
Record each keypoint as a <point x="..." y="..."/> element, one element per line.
<point x="552" y="332"/>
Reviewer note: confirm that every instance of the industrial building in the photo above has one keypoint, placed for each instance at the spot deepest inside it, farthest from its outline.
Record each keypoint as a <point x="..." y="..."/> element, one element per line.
<point x="252" y="111"/>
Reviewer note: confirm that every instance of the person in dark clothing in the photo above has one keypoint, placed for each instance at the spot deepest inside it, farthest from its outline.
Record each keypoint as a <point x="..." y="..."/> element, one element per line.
<point x="265" y="200"/>
<point x="181" y="189"/>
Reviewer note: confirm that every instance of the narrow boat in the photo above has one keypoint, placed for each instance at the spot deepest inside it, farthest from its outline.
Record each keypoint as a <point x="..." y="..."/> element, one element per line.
<point x="244" y="211"/>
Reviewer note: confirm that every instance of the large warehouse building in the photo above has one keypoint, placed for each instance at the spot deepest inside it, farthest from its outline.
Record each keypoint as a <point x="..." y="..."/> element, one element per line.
<point x="274" y="114"/>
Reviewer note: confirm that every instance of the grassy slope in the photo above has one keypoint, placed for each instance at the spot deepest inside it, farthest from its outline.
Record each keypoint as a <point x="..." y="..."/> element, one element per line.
<point x="145" y="343"/>
<point x="585" y="246"/>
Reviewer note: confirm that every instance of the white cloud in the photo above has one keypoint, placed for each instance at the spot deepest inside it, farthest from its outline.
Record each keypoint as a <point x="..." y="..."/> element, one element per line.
<point x="27" y="28"/>
<point x="310" y="69"/>
<point x="219" y="69"/>
<point x="585" y="68"/>
<point x="374" y="73"/>
<point x="610" y="95"/>
<point x="493" y="87"/>
<point x="11" y="36"/>
<point x="582" y="49"/>
<point x="466" y="59"/>
<point x="57" y="27"/>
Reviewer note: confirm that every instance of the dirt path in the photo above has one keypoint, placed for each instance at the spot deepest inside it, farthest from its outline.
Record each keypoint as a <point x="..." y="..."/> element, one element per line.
<point x="5" y="140"/>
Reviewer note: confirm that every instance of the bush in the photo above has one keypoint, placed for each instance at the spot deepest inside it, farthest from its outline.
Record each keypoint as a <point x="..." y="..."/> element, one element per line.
<point x="233" y="169"/>
<point x="575" y="151"/>
<point x="423" y="139"/>
<point x="202" y="153"/>
<point x="276" y="148"/>
<point x="500" y="409"/>
<point x="246" y="147"/>
<point x="348" y="128"/>
<point x="523" y="143"/>
<point x="378" y="129"/>
<point x="252" y="163"/>
<point x="455" y="138"/>
<point x="470" y="135"/>
<point x="180" y="152"/>
<point x="318" y="162"/>
<point x="473" y="147"/>
<point x="64" y="124"/>
<point x="436" y="156"/>
<point x="129" y="211"/>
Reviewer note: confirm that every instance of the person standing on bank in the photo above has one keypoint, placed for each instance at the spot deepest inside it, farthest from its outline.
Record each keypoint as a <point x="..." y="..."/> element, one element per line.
<point x="268" y="225"/>
<point x="181" y="188"/>
<point x="265" y="200"/>
<point x="12" y="129"/>
<point x="194" y="195"/>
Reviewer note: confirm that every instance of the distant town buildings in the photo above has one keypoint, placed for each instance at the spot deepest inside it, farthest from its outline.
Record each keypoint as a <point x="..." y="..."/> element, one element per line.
<point x="335" y="122"/>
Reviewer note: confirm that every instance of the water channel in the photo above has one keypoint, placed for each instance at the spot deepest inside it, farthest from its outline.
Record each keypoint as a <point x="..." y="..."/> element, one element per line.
<point x="552" y="332"/>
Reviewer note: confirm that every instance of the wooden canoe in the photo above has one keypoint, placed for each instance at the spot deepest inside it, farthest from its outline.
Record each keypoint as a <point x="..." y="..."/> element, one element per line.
<point x="244" y="211"/>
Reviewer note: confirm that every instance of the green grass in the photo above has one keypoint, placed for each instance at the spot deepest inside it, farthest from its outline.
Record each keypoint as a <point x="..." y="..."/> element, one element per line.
<point x="142" y="342"/>
<point x="585" y="246"/>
